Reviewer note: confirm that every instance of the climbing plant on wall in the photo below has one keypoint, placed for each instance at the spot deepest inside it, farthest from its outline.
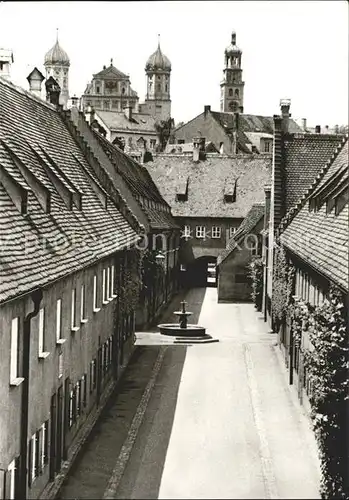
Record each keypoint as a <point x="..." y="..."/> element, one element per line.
<point x="256" y="275"/>
<point x="327" y="365"/>
<point x="283" y="284"/>
<point x="130" y="285"/>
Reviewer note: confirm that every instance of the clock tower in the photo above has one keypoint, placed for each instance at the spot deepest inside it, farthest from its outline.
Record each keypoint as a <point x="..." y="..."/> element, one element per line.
<point x="232" y="86"/>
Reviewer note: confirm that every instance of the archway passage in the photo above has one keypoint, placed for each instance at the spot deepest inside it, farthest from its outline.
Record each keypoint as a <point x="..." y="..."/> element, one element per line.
<point x="201" y="272"/>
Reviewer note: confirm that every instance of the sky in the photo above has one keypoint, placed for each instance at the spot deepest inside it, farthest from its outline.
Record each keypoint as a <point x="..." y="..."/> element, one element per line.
<point x="290" y="49"/>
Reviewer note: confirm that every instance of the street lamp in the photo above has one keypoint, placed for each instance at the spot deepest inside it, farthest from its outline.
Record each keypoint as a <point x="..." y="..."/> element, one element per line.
<point x="160" y="258"/>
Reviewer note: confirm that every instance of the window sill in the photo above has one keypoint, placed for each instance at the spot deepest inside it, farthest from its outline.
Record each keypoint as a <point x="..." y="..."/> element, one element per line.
<point x="105" y="302"/>
<point x="16" y="381"/>
<point x="96" y="310"/>
<point x="216" y="237"/>
<point x="75" y="329"/>
<point x="60" y="341"/>
<point x="114" y="296"/>
<point x="44" y="355"/>
<point x="84" y="320"/>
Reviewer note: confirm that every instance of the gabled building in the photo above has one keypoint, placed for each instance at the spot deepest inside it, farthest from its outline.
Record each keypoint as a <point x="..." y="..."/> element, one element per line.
<point x="209" y="194"/>
<point x="160" y="231"/>
<point x="233" y="262"/>
<point x="109" y="90"/>
<point x="314" y="236"/>
<point x="297" y="161"/>
<point x="69" y="238"/>
<point x="134" y="132"/>
<point x="231" y="133"/>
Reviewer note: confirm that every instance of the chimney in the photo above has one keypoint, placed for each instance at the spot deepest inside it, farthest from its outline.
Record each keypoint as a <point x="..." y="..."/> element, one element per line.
<point x="90" y="114"/>
<point x="285" y="114"/>
<point x="53" y="91"/>
<point x="74" y="101"/>
<point x="336" y="129"/>
<point x="317" y="129"/>
<point x="267" y="193"/>
<point x="278" y="185"/>
<point x="35" y="79"/>
<point x="6" y="59"/>
<point x="207" y="109"/>
<point x="304" y="124"/>
<point x="198" y="148"/>
<point x="327" y="129"/>
<point x="128" y="112"/>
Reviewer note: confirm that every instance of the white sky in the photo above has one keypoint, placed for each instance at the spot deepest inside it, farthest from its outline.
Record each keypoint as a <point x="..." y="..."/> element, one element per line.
<point x="296" y="50"/>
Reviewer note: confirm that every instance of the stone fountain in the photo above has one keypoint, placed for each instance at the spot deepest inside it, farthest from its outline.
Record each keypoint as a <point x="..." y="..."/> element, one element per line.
<point x="183" y="328"/>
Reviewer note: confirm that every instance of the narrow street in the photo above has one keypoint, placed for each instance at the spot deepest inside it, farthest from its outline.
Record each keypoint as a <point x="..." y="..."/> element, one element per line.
<point x="202" y="421"/>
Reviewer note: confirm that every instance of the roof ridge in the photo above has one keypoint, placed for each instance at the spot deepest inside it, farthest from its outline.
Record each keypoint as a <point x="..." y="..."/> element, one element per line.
<point x="293" y="211"/>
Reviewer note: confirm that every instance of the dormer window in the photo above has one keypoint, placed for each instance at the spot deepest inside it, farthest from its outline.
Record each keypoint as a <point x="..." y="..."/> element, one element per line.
<point x="182" y="190"/>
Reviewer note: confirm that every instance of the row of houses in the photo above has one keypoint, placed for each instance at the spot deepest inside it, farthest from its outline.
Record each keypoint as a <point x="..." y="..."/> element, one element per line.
<point x="79" y="218"/>
<point x="304" y="216"/>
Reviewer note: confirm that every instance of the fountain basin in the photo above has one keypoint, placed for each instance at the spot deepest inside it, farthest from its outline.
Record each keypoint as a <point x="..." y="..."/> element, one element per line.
<point x="176" y="330"/>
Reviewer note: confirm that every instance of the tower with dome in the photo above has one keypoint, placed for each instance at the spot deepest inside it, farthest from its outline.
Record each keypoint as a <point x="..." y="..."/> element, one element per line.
<point x="158" y="72"/>
<point x="232" y="86"/>
<point x="57" y="65"/>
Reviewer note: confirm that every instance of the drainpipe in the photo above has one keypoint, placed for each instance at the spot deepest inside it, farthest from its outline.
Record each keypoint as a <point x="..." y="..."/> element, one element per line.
<point x="36" y="297"/>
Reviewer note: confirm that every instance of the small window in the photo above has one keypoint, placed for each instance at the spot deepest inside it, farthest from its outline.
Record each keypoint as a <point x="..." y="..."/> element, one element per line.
<point x="200" y="232"/>
<point x="152" y="143"/>
<point x="237" y="93"/>
<point x="159" y="87"/>
<point x="232" y="231"/>
<point x="60" y="365"/>
<point x="95" y="295"/>
<point x="180" y="141"/>
<point x="97" y="89"/>
<point x="106" y="104"/>
<point x="216" y="232"/>
<point x="44" y="445"/>
<point x="42" y="341"/>
<point x="9" y="494"/>
<point x="83" y="313"/>
<point x="59" y="339"/>
<point x="104" y="287"/>
<point x="166" y="88"/>
<point x="84" y="390"/>
<point x="14" y="379"/>
<point x="186" y="233"/>
<point x="112" y="282"/>
<point x="230" y="92"/>
<point x="123" y="90"/>
<point x="74" y="326"/>
<point x="267" y="146"/>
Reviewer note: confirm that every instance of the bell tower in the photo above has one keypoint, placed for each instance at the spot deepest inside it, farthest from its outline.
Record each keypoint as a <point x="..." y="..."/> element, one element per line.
<point x="232" y="86"/>
<point x="158" y="73"/>
<point x="57" y="65"/>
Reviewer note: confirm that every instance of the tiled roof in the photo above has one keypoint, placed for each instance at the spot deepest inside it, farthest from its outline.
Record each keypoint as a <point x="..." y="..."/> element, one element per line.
<point x="254" y="215"/>
<point x="111" y="72"/>
<point x="317" y="237"/>
<point x="118" y="121"/>
<point x="38" y="247"/>
<point x="141" y="185"/>
<point x="207" y="182"/>
<point x="251" y="123"/>
<point x="305" y="156"/>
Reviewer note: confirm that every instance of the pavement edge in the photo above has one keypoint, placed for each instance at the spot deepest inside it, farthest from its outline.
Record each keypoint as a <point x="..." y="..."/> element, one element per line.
<point x="124" y="455"/>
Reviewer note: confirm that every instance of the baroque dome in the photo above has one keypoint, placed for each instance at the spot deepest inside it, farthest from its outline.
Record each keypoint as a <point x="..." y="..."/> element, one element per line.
<point x="158" y="60"/>
<point x="232" y="48"/>
<point x="57" y="55"/>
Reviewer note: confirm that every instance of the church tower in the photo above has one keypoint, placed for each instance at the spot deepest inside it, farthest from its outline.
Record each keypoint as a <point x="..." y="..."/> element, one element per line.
<point x="57" y="65"/>
<point x="232" y="86"/>
<point x="158" y="72"/>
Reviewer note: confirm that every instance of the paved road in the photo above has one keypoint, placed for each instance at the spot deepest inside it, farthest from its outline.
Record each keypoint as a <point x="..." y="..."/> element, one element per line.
<point x="220" y="421"/>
